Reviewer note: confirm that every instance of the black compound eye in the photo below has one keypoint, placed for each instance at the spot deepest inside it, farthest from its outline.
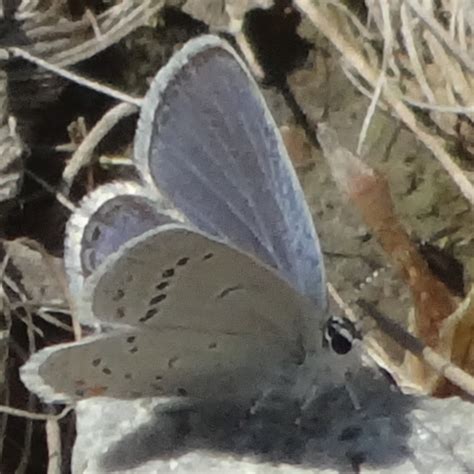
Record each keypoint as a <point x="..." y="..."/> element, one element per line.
<point x="339" y="334"/>
<point x="340" y="344"/>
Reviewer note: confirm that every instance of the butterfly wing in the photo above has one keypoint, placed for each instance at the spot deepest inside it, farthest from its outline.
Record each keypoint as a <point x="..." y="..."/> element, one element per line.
<point x="207" y="140"/>
<point x="167" y="363"/>
<point x="195" y="304"/>
<point x="174" y="276"/>
<point x="182" y="296"/>
<point x="105" y="219"/>
<point x="193" y="317"/>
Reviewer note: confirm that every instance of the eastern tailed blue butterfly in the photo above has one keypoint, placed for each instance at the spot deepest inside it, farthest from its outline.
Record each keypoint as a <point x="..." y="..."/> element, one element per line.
<point x="206" y="280"/>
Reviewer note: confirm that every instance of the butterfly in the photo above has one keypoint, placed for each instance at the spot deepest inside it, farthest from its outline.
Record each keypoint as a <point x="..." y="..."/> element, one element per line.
<point x="205" y="280"/>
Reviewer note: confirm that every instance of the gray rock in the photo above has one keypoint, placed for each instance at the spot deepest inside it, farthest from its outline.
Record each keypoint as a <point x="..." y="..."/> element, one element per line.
<point x="392" y="433"/>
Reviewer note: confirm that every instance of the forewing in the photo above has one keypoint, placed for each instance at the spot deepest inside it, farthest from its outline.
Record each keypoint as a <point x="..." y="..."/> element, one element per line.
<point x="207" y="140"/>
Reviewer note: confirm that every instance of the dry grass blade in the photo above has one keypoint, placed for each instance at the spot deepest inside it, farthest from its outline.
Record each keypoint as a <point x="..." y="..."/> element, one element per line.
<point x="457" y="334"/>
<point x="31" y="402"/>
<point x="442" y="34"/>
<point x="11" y="153"/>
<point x="59" y="277"/>
<point x="34" y="416"/>
<point x="387" y="51"/>
<point x="60" y="71"/>
<point x="83" y="155"/>
<point x="53" y="436"/>
<point x="16" y="300"/>
<point x="415" y="57"/>
<point x="64" y="42"/>
<point x="4" y="352"/>
<point x="352" y="49"/>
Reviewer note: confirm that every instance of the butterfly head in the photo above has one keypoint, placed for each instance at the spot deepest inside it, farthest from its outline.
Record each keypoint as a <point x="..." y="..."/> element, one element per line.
<point x="339" y="334"/>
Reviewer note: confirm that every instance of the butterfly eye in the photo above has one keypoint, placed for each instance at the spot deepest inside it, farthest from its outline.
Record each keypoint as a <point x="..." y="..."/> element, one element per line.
<point x="339" y="334"/>
<point x="340" y="344"/>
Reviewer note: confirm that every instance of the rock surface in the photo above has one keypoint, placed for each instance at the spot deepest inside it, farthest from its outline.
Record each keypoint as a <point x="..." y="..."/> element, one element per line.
<point x="390" y="433"/>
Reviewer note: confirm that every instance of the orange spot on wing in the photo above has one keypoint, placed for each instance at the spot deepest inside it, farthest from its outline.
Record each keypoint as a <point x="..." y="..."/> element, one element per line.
<point x="96" y="391"/>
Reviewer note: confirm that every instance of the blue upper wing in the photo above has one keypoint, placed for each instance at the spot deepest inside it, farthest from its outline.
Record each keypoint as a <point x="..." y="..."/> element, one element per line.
<point x="207" y="140"/>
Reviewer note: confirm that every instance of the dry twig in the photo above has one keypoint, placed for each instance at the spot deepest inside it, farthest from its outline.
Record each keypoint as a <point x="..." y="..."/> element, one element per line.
<point x="60" y="71"/>
<point x="83" y="155"/>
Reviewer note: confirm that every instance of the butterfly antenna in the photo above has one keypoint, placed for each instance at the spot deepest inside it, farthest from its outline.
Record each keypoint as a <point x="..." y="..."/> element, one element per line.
<point x="440" y="364"/>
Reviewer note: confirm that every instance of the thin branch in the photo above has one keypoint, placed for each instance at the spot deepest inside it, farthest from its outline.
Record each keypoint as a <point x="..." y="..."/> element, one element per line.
<point x="34" y="416"/>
